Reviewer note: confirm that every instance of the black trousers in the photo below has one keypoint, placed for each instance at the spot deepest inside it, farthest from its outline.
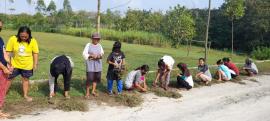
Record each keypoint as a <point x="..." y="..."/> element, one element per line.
<point x="183" y="83"/>
<point x="61" y="66"/>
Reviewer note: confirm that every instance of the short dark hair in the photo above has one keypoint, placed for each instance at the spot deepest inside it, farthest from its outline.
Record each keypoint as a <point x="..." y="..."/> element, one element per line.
<point x="161" y="64"/>
<point x="117" y="46"/>
<point x="24" y="29"/>
<point x="226" y="59"/>
<point x="219" y="62"/>
<point x="1" y="20"/>
<point x="248" y="61"/>
<point x="202" y="59"/>
<point x="145" y="68"/>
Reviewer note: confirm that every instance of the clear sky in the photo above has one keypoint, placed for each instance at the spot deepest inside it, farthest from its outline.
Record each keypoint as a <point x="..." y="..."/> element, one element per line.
<point x="90" y="5"/>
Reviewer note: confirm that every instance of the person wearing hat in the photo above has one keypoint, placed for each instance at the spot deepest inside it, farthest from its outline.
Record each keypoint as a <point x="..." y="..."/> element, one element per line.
<point x="116" y="61"/>
<point x="92" y="54"/>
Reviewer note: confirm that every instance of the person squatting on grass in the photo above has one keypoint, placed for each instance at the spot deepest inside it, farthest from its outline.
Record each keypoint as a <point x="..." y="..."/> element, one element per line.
<point x="165" y="66"/>
<point x="24" y="59"/>
<point x="60" y="65"/>
<point x="116" y="61"/>
<point x="136" y="79"/>
<point x="92" y="54"/>
<point x="4" y="72"/>
<point x="233" y="68"/>
<point x="184" y="79"/>
<point x="223" y="72"/>
<point x="250" y="67"/>
<point x="204" y="73"/>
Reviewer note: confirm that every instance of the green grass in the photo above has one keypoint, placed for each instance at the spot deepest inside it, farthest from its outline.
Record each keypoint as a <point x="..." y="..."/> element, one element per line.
<point x="135" y="37"/>
<point x="52" y="45"/>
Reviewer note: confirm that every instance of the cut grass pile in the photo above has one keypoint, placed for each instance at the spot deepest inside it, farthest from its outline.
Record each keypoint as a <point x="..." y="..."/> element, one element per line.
<point x="52" y="45"/>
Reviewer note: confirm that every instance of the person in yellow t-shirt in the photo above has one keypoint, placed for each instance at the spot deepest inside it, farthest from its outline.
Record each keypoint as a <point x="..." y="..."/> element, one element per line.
<point x="24" y="58"/>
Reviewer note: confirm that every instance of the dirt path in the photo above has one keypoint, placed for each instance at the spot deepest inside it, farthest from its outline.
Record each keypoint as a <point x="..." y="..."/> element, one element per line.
<point x="223" y="102"/>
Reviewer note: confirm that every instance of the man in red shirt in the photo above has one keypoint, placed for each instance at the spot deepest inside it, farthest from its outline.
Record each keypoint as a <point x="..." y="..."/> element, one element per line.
<point x="233" y="68"/>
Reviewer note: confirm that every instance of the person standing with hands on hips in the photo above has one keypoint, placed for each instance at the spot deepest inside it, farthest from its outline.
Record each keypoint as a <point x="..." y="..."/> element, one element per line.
<point x="24" y="59"/>
<point x="92" y="54"/>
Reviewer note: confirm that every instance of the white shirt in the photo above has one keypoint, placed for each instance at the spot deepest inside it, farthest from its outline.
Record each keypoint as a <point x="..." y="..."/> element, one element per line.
<point x="96" y="49"/>
<point x="168" y="60"/>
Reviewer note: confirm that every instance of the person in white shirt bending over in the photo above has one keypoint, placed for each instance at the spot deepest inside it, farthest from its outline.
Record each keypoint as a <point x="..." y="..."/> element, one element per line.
<point x="165" y="66"/>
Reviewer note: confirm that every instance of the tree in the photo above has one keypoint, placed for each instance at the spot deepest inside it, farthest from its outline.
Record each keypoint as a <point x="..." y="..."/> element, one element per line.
<point x="11" y="1"/>
<point x="67" y="7"/>
<point x="29" y="2"/>
<point x="51" y="9"/>
<point x="179" y="25"/>
<point x="234" y="10"/>
<point x="41" y="7"/>
<point x="110" y="19"/>
<point x="253" y="30"/>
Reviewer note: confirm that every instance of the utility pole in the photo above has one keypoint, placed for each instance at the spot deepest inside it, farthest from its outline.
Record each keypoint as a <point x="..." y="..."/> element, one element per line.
<point x="207" y="31"/>
<point x="98" y="17"/>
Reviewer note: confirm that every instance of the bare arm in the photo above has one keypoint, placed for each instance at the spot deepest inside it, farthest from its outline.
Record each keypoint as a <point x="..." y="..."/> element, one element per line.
<point x="35" y="57"/>
<point x="3" y="67"/>
<point x="140" y="87"/>
<point x="157" y="77"/>
<point x="144" y="84"/>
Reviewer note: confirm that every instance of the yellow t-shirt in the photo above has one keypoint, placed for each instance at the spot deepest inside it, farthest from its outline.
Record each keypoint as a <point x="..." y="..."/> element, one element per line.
<point x="22" y="53"/>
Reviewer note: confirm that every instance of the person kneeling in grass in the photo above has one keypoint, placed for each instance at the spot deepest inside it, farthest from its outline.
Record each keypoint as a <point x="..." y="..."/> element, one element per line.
<point x="233" y="68"/>
<point x="203" y="72"/>
<point x="136" y="79"/>
<point x="223" y="72"/>
<point x="184" y="79"/>
<point x="250" y="67"/>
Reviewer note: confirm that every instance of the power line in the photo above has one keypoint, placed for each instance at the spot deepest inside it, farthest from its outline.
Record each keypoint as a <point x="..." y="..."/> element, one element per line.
<point x="119" y="6"/>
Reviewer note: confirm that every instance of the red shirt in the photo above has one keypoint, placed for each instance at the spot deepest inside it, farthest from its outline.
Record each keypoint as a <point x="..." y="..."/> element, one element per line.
<point x="232" y="66"/>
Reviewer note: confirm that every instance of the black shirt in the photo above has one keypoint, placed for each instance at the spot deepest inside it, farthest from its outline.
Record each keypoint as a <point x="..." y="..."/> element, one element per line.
<point x="2" y="47"/>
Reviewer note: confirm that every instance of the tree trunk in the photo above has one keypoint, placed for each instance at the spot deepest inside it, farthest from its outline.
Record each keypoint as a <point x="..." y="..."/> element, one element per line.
<point x="207" y="30"/>
<point x="98" y="17"/>
<point x="232" y="39"/>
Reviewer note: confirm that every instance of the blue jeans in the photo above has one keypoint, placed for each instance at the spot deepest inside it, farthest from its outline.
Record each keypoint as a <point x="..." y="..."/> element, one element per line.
<point x="119" y="85"/>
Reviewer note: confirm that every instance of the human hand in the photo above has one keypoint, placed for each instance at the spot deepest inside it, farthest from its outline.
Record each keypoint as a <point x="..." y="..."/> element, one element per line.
<point x="7" y="71"/>
<point x="35" y="67"/>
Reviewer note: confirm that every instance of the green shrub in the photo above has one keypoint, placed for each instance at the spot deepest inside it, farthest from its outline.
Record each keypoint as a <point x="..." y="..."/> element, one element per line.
<point x="261" y="53"/>
<point x="133" y="37"/>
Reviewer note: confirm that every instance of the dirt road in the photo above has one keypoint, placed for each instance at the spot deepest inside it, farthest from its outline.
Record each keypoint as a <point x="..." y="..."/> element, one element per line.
<point x="222" y="102"/>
